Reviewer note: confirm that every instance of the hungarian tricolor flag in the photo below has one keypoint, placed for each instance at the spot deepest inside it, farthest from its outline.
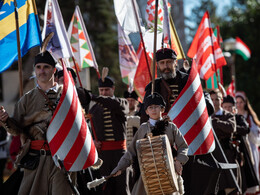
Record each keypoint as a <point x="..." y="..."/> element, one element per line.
<point x="242" y="49"/>
<point x="205" y="49"/>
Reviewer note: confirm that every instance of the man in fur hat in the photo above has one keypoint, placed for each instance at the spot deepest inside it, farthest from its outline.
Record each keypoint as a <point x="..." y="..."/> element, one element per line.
<point x="31" y="118"/>
<point x="171" y="82"/>
<point x="169" y="86"/>
<point x="109" y="122"/>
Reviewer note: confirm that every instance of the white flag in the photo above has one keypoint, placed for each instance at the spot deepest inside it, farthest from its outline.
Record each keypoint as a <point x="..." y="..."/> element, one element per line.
<point x="59" y="45"/>
<point x="127" y="57"/>
<point x="125" y="15"/>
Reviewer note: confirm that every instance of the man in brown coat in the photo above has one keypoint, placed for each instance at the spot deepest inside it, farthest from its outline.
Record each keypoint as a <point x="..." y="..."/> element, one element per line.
<point x="31" y="118"/>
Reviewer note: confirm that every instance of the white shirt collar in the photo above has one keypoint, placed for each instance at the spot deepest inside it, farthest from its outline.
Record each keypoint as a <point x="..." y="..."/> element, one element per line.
<point x="152" y="121"/>
<point x="54" y="88"/>
<point x="220" y="112"/>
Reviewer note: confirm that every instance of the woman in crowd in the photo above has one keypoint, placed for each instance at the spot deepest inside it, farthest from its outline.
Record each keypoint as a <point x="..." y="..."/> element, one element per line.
<point x="244" y="108"/>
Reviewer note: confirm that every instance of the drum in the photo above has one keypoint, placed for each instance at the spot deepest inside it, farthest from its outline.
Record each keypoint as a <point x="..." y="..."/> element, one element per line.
<point x="156" y="165"/>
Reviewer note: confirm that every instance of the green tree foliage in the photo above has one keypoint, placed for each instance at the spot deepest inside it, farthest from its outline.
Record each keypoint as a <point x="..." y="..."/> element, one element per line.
<point x="243" y="21"/>
<point x="197" y="14"/>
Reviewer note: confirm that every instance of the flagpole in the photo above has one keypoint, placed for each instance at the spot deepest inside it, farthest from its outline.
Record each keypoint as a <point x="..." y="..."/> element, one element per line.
<point x="77" y="71"/>
<point x="18" y="48"/>
<point x="233" y="68"/>
<point x="142" y="40"/>
<point x="215" y="62"/>
<point x="154" y="44"/>
<point x="220" y="69"/>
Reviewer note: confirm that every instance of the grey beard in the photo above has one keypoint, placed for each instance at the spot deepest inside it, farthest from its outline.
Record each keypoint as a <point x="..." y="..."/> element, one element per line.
<point x="168" y="75"/>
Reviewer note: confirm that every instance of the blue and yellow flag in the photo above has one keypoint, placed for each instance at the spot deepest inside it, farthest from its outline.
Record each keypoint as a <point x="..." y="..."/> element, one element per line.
<point x="30" y="35"/>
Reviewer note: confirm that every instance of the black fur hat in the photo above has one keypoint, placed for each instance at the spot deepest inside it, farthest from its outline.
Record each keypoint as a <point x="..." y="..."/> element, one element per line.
<point x="105" y="81"/>
<point x="45" y="57"/>
<point x="108" y="82"/>
<point x="73" y="74"/>
<point x="131" y="95"/>
<point x="155" y="99"/>
<point x="229" y="99"/>
<point x="165" y="53"/>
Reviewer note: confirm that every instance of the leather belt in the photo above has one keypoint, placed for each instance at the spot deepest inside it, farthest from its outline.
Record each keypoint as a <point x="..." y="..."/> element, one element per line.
<point x="40" y="152"/>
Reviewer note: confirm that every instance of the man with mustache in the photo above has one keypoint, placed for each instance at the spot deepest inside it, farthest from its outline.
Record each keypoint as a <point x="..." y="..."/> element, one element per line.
<point x="31" y="118"/>
<point x="169" y="86"/>
<point x="171" y="82"/>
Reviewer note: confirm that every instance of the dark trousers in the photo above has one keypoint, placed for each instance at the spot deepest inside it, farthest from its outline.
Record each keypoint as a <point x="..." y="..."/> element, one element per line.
<point x="115" y="185"/>
<point x="2" y="168"/>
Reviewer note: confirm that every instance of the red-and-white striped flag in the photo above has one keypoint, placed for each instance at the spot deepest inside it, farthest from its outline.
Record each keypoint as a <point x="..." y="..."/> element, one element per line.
<point x="189" y="113"/>
<point x="68" y="135"/>
<point x="205" y="49"/>
<point x="231" y="88"/>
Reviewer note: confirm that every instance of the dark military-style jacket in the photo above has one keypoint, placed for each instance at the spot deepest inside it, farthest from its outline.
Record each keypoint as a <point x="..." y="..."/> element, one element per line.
<point x="109" y="118"/>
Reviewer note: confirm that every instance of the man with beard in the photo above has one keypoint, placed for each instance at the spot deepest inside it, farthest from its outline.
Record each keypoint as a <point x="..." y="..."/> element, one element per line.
<point x="171" y="82"/>
<point x="170" y="85"/>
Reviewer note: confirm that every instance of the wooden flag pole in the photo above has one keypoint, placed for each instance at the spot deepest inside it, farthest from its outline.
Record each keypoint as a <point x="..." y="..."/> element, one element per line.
<point x="233" y="68"/>
<point x="20" y="66"/>
<point x="141" y="36"/>
<point x="77" y="71"/>
<point x="154" y="45"/>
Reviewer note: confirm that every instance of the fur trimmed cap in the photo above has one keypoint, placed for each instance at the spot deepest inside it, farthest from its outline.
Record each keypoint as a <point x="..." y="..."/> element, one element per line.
<point x="73" y="74"/>
<point x="108" y="82"/>
<point x="229" y="99"/>
<point x="155" y="99"/>
<point x="131" y="95"/>
<point x="165" y="53"/>
<point x="45" y="57"/>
